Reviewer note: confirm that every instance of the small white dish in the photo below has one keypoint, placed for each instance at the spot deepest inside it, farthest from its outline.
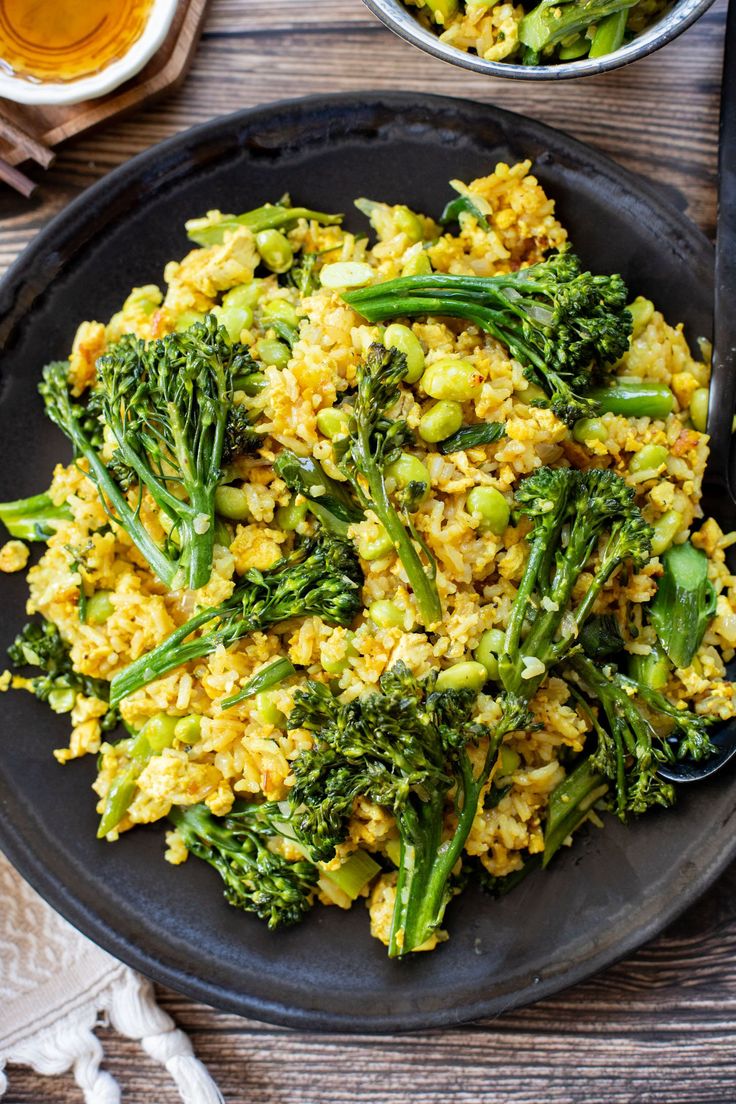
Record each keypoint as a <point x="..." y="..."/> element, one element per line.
<point x="24" y="91"/>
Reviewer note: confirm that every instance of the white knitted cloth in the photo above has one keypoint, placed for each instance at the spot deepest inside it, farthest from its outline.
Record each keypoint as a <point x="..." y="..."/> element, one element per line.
<point x="56" y="986"/>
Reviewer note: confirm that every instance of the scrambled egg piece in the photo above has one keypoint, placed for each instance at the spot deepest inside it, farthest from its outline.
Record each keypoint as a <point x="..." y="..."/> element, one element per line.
<point x="255" y="546"/>
<point x="13" y="556"/>
<point x="90" y="342"/>
<point x="195" y="281"/>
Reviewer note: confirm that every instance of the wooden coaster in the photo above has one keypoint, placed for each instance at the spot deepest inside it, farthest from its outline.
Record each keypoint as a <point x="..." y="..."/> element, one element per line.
<point x="165" y="70"/>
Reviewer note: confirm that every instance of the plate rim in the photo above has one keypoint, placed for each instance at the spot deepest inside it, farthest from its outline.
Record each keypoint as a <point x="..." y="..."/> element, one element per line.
<point x="171" y="971"/>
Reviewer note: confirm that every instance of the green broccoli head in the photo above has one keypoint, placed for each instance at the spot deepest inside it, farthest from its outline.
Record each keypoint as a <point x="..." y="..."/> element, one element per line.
<point x="257" y="878"/>
<point x="241" y="439"/>
<point x="395" y="747"/>
<point x="41" y="645"/>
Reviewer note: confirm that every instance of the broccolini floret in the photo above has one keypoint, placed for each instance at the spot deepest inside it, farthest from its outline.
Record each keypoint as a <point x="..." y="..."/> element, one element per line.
<point x="406" y="749"/>
<point x="167" y="405"/>
<point x="571" y="513"/>
<point x="643" y="731"/>
<point x="320" y="578"/>
<point x="560" y="323"/>
<point x="40" y="645"/>
<point x="373" y="441"/>
<point x="257" y="879"/>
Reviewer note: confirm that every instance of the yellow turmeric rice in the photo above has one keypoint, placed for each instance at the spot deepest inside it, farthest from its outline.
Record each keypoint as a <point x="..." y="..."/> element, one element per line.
<point x="246" y="751"/>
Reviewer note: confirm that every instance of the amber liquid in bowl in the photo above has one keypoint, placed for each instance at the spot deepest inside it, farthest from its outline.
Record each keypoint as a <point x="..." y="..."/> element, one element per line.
<point x="64" y="40"/>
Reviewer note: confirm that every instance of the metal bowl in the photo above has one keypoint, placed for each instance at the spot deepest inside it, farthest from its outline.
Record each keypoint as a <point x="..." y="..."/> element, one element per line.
<point x="673" y="22"/>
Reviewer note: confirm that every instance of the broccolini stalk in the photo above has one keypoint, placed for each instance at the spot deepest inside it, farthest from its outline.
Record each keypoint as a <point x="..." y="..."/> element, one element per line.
<point x="168" y="405"/>
<point x="320" y="578"/>
<point x="257" y="879"/>
<point x="554" y="20"/>
<point x="684" y="604"/>
<point x="404" y="748"/>
<point x="644" y="731"/>
<point x="569" y="805"/>
<point x="272" y="674"/>
<point x="40" y="645"/>
<point x="570" y="513"/>
<point x="559" y="323"/>
<point x="33" y="519"/>
<point x="211" y="229"/>
<point x="372" y="442"/>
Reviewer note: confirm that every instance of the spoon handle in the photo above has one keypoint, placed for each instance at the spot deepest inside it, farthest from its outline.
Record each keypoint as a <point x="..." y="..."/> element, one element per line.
<point x="723" y="381"/>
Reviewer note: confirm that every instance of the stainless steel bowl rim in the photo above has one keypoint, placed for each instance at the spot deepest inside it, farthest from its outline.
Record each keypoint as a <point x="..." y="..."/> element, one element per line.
<point x="403" y="23"/>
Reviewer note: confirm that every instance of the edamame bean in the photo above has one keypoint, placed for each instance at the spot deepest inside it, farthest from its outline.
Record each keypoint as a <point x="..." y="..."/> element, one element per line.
<point x="408" y="223"/>
<point x="346" y="274"/>
<point x="281" y="310"/>
<point x="532" y="393"/>
<point x="292" y="516"/>
<point x="271" y="351"/>
<point x="234" y="319"/>
<point x="589" y="429"/>
<point x="442" y="10"/>
<point x="159" y="731"/>
<point x="337" y="666"/>
<point x="651" y="670"/>
<point x="418" y="265"/>
<point x="267" y="711"/>
<point x="386" y="614"/>
<point x="275" y="250"/>
<point x="452" y="379"/>
<point x="648" y="458"/>
<point x="407" y="469"/>
<point x="699" y="409"/>
<point x="665" y="529"/>
<point x="187" y="319"/>
<point x="509" y="760"/>
<point x="641" y="311"/>
<point x="332" y="422"/>
<point x="188" y="729"/>
<point x="489" y="649"/>
<point x="244" y="296"/>
<point x="232" y="503"/>
<point x="376" y="547"/>
<point x="406" y="341"/>
<point x="635" y="398"/>
<point x="62" y="701"/>
<point x="440" y="421"/>
<point x="490" y="507"/>
<point x="99" y="607"/>
<point x="467" y="675"/>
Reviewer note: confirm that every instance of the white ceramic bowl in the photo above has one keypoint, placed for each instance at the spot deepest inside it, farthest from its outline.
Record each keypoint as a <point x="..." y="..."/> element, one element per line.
<point x="89" y="88"/>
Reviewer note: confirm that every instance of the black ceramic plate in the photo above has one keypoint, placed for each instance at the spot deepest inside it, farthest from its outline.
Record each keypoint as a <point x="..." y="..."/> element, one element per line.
<point x="607" y="894"/>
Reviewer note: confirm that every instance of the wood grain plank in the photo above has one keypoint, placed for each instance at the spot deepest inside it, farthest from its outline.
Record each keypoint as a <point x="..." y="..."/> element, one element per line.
<point x="659" y="1028"/>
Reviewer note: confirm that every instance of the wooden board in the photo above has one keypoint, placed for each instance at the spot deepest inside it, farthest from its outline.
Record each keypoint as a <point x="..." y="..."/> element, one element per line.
<point x="165" y="70"/>
<point x="659" y="1028"/>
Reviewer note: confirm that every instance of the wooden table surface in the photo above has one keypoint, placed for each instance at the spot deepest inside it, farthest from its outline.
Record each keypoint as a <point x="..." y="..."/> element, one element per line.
<point x="659" y="1027"/>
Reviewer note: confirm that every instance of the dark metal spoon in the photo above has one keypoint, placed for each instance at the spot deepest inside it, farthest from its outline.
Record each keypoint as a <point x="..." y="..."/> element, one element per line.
<point x="718" y="496"/>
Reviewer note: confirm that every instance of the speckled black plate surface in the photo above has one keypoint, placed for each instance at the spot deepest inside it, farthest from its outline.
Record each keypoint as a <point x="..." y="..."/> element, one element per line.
<point x="613" y="889"/>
